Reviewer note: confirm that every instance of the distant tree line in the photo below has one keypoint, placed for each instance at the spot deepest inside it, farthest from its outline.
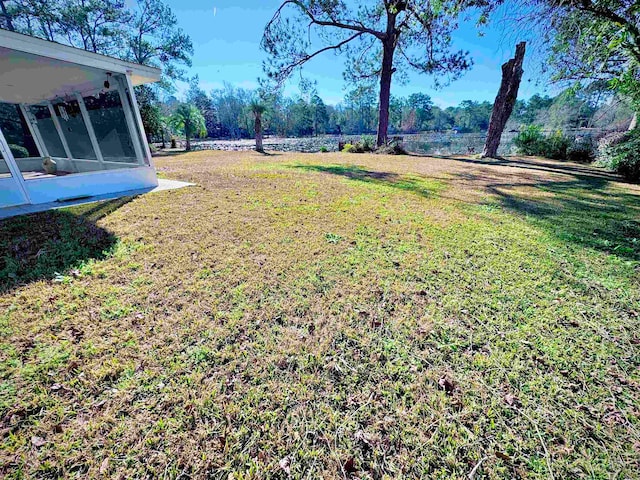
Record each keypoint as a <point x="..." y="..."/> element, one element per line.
<point x="228" y="113"/>
<point x="594" y="44"/>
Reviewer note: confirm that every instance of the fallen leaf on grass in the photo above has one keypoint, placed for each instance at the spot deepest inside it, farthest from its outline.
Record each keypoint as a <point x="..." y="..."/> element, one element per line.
<point x="104" y="466"/>
<point x="350" y="466"/>
<point x="38" y="441"/>
<point x="503" y="456"/>
<point x="447" y="385"/>
<point x="285" y="464"/>
<point x="512" y="400"/>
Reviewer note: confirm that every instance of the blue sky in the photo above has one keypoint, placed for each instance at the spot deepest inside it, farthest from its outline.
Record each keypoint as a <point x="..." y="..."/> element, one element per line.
<point x="226" y="37"/>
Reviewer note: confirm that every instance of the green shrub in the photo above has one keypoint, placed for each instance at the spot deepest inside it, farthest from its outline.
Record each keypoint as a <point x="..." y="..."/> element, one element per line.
<point x="529" y="140"/>
<point x="349" y="148"/>
<point x="18" y="151"/>
<point x="353" y="148"/>
<point x="581" y="151"/>
<point x="324" y="149"/>
<point x="555" y="146"/>
<point x="368" y="143"/>
<point x="620" y="152"/>
<point x="392" y="149"/>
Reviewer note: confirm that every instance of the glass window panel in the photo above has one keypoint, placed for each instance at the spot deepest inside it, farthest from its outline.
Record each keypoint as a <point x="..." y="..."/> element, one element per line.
<point x="48" y="131"/>
<point x="140" y="135"/>
<point x="75" y="130"/>
<point x="4" y="169"/>
<point x="110" y="125"/>
<point x="16" y="131"/>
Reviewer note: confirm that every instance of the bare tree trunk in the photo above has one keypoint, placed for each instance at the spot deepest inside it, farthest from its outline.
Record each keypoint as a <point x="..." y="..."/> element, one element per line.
<point x="258" y="129"/>
<point x="6" y="16"/>
<point x="188" y="140"/>
<point x="505" y="100"/>
<point x="385" y="93"/>
<point x="387" y="71"/>
<point x="634" y="122"/>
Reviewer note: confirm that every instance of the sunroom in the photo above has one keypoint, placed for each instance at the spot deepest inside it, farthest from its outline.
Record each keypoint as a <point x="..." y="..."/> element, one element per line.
<point x="70" y="126"/>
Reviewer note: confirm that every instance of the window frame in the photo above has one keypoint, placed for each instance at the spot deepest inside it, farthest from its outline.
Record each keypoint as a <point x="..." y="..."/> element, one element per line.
<point x="131" y="115"/>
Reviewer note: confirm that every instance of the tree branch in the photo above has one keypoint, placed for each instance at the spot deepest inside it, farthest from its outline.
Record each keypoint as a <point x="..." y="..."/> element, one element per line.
<point x="292" y="66"/>
<point x="333" y="23"/>
<point x="634" y="30"/>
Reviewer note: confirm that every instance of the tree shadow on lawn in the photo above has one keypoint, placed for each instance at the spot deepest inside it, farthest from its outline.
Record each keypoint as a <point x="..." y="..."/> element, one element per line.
<point x="583" y="210"/>
<point x="533" y="164"/>
<point x="43" y="245"/>
<point x="412" y="183"/>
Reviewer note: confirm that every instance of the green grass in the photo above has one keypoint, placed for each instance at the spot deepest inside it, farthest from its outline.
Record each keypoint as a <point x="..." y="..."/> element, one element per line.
<point x="405" y="317"/>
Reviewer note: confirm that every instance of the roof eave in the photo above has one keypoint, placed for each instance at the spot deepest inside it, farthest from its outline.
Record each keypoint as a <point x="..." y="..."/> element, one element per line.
<point x="140" y="74"/>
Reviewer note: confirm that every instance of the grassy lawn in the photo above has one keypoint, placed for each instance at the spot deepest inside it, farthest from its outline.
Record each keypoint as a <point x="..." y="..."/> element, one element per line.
<point x="328" y="316"/>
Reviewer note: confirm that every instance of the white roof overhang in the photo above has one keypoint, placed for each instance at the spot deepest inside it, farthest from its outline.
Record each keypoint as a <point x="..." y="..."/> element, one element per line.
<point x="33" y="70"/>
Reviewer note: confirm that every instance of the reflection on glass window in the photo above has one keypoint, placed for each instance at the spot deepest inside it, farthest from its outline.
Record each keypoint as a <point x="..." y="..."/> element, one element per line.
<point x="16" y="132"/>
<point x="48" y="131"/>
<point x="110" y="126"/>
<point x="138" y="133"/>
<point x="75" y="130"/>
<point x="4" y="169"/>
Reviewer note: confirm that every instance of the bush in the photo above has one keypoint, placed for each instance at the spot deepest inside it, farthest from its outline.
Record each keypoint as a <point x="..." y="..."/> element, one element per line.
<point x="555" y="146"/>
<point x="529" y="140"/>
<point x="18" y="151"/>
<point x="392" y="149"/>
<point x="620" y="152"/>
<point x="581" y="151"/>
<point x="353" y="148"/>
<point x="349" y="148"/>
<point x="323" y="149"/>
<point x="368" y="143"/>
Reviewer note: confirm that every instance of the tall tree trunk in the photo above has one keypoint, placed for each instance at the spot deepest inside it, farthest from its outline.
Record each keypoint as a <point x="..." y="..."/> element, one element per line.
<point x="634" y="122"/>
<point x="388" y="50"/>
<point x="385" y="94"/>
<point x="258" y="129"/>
<point x="505" y="100"/>
<point x="6" y="16"/>
<point x="188" y="140"/>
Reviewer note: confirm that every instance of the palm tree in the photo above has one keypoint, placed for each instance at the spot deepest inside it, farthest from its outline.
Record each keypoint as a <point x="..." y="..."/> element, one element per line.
<point x="165" y="127"/>
<point x="188" y="120"/>
<point x="258" y="108"/>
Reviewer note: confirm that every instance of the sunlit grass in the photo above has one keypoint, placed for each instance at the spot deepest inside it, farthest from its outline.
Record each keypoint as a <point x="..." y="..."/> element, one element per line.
<point x="333" y="315"/>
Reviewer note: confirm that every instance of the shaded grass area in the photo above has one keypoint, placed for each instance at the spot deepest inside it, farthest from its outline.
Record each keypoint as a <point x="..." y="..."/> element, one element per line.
<point x="301" y="317"/>
<point x="48" y="244"/>
<point x="582" y="211"/>
<point x="410" y="183"/>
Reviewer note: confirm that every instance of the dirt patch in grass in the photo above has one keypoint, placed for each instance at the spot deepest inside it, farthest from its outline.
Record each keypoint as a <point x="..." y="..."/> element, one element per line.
<point x="329" y="316"/>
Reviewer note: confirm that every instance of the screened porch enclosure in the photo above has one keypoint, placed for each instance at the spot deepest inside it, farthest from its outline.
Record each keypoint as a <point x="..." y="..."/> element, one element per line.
<point x="69" y="123"/>
<point x="85" y="132"/>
